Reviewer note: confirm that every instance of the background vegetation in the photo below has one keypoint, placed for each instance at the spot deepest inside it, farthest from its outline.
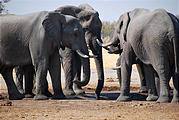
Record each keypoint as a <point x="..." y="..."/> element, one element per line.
<point x="107" y="30"/>
<point x="2" y="6"/>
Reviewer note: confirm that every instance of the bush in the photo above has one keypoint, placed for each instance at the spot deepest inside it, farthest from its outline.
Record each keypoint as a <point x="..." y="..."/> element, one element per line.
<point x="107" y="29"/>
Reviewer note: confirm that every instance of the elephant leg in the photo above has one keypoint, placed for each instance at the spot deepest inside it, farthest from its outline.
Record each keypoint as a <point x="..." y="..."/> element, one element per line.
<point x="13" y="92"/>
<point x="77" y="75"/>
<point x="143" y="88"/>
<point x="126" y="69"/>
<point x="161" y="66"/>
<point x="41" y="74"/>
<point x="176" y="87"/>
<point x="55" y="73"/>
<point x="118" y="63"/>
<point x="47" y="92"/>
<point x="150" y="81"/>
<point x="19" y="79"/>
<point x="29" y="77"/>
<point x="67" y="63"/>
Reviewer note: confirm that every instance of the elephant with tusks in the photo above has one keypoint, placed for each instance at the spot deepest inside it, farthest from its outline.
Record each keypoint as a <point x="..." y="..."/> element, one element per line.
<point x="152" y="37"/>
<point x="35" y="39"/>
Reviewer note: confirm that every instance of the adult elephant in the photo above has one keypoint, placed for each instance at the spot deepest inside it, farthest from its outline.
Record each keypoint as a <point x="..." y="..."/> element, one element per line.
<point x="117" y="50"/>
<point x="36" y="39"/>
<point x="151" y="37"/>
<point x="89" y="19"/>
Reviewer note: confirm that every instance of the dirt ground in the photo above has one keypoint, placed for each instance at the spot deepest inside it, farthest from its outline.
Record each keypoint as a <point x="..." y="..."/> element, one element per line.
<point x="87" y="107"/>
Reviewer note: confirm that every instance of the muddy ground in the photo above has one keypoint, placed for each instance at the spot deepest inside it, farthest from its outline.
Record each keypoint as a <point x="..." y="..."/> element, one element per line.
<point x="87" y="107"/>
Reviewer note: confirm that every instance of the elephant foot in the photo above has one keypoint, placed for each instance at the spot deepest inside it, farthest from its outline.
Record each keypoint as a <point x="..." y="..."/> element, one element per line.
<point x="48" y="94"/>
<point x="97" y="97"/>
<point x="122" y="98"/>
<point x="18" y="96"/>
<point x="58" y="96"/>
<point x="69" y="92"/>
<point x="40" y="97"/>
<point x="152" y="98"/>
<point x="29" y="95"/>
<point x="79" y="91"/>
<point x="175" y="100"/>
<point x="163" y="99"/>
<point x="143" y="89"/>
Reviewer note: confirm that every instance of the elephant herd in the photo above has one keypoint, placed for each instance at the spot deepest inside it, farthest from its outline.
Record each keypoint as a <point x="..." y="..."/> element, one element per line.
<point x="40" y="42"/>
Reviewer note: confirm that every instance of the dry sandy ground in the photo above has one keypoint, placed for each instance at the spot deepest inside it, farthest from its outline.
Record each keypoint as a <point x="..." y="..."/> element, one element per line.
<point x="87" y="108"/>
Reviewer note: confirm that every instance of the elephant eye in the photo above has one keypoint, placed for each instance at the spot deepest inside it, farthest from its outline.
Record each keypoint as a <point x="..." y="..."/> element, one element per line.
<point x="87" y="17"/>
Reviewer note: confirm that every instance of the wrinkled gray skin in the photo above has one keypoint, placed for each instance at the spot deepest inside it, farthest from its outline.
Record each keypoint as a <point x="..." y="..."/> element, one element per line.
<point x="89" y="19"/>
<point x="116" y="50"/>
<point x="143" y="87"/>
<point x="28" y="73"/>
<point x="151" y="37"/>
<point x="35" y="39"/>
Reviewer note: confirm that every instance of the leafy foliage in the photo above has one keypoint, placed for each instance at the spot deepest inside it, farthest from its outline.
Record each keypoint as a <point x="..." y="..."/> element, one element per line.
<point x="107" y="29"/>
<point x="2" y="6"/>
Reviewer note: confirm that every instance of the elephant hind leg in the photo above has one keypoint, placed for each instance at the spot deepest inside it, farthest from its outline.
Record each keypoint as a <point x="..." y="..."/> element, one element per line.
<point x="161" y="66"/>
<point x="19" y="79"/>
<point x="29" y="78"/>
<point x="14" y="94"/>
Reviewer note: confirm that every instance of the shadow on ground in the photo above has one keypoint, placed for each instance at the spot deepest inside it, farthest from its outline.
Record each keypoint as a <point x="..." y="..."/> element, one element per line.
<point x="109" y="96"/>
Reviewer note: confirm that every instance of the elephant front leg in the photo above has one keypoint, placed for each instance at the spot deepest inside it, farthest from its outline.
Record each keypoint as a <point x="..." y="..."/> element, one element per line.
<point x="126" y="68"/>
<point x="143" y="87"/>
<point x="150" y="76"/>
<point x="77" y="75"/>
<point x="41" y="74"/>
<point x="55" y="73"/>
<point x="68" y="71"/>
<point x="14" y="94"/>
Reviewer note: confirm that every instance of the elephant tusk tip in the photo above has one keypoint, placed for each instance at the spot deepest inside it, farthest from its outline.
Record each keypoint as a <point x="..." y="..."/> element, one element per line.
<point x="93" y="56"/>
<point x="116" y="68"/>
<point x="99" y="43"/>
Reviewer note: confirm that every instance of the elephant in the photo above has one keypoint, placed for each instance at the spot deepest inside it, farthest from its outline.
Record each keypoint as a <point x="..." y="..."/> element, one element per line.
<point x="35" y="39"/>
<point x="151" y="37"/>
<point x="116" y="50"/>
<point x="91" y="23"/>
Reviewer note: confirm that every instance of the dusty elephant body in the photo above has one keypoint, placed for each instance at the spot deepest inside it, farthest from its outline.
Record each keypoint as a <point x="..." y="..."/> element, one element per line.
<point x="140" y="69"/>
<point x="35" y="39"/>
<point x="28" y="86"/>
<point x="151" y="37"/>
<point x="89" y="19"/>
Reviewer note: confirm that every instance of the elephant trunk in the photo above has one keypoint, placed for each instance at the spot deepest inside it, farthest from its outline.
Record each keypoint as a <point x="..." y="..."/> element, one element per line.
<point x="86" y="67"/>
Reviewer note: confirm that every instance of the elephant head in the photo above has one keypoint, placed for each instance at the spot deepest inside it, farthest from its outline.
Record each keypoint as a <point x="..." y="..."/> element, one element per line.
<point x="118" y="37"/>
<point x="91" y="24"/>
<point x="67" y="31"/>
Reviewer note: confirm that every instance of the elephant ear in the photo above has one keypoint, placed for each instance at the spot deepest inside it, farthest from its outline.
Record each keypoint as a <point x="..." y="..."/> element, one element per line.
<point x="122" y="28"/>
<point x="52" y="24"/>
